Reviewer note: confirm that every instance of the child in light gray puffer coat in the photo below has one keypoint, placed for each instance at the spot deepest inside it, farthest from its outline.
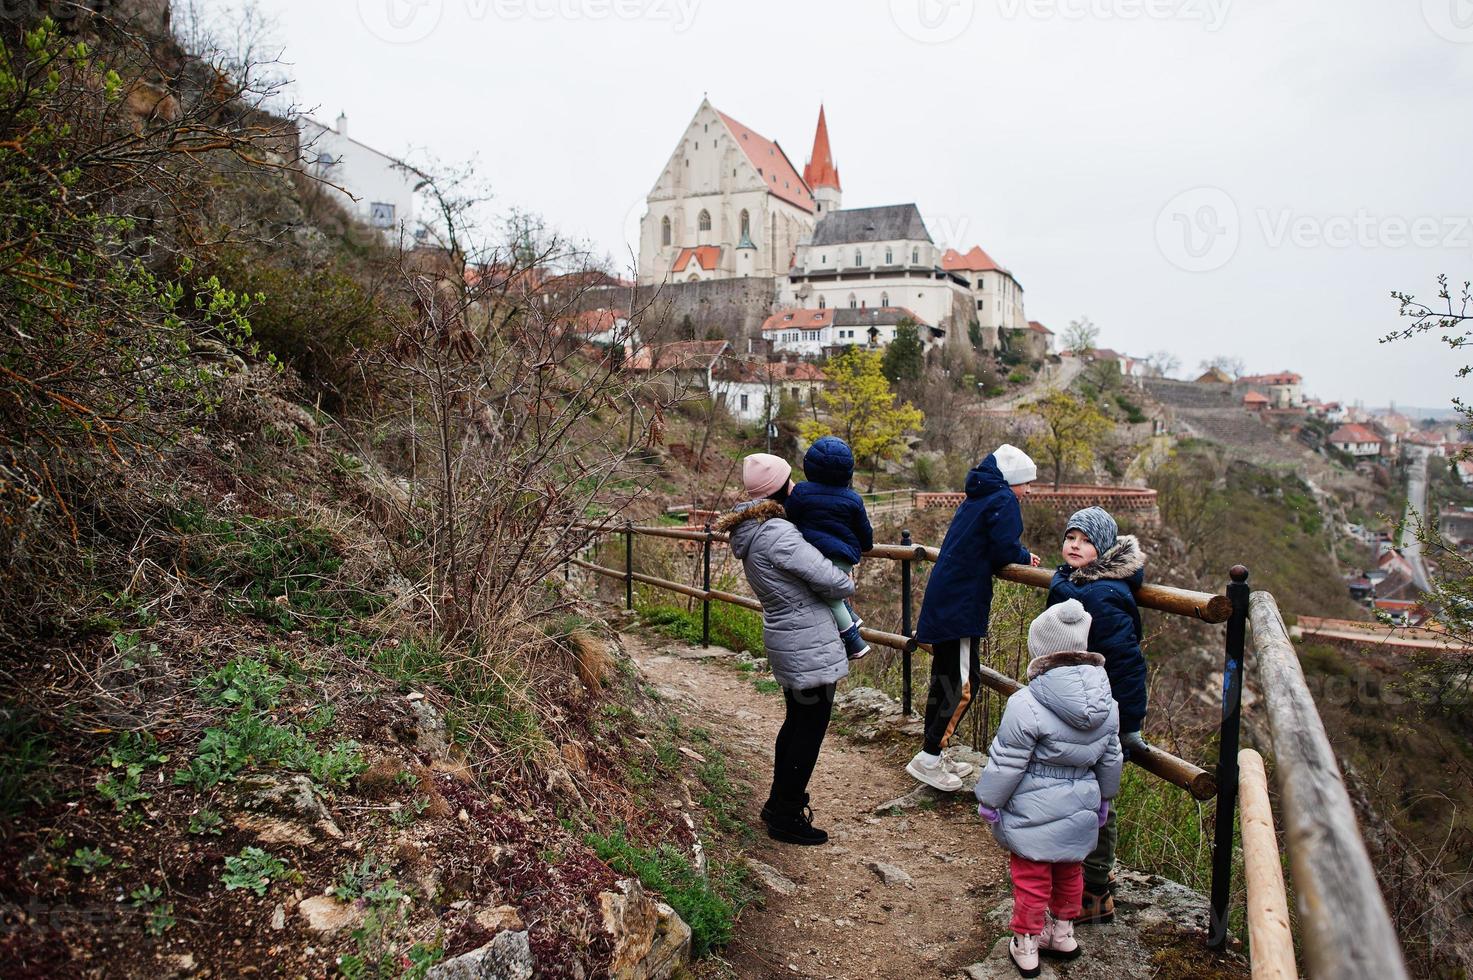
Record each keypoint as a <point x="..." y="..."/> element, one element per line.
<point x="1051" y="773"/>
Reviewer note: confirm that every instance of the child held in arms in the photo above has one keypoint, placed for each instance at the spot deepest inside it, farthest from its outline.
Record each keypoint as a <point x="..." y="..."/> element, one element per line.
<point x="1051" y="773"/>
<point x="1103" y="569"/>
<point x="831" y="517"/>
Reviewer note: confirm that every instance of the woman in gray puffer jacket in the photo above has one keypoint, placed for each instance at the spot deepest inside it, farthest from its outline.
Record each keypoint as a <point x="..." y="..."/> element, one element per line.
<point x="793" y="581"/>
<point x="1051" y="773"/>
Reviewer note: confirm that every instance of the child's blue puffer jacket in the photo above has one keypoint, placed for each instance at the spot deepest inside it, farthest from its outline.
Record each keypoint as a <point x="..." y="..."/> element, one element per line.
<point x="830" y="515"/>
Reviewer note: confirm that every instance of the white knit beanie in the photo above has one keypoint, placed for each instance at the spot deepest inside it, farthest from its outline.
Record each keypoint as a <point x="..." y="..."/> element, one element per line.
<point x="1017" y="467"/>
<point x="1063" y="627"/>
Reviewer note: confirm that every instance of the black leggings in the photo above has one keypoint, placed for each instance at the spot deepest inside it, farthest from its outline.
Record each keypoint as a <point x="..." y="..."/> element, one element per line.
<point x="798" y="741"/>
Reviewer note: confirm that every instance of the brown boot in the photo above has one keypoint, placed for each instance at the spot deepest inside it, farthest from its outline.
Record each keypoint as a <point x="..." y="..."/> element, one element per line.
<point x="1099" y="909"/>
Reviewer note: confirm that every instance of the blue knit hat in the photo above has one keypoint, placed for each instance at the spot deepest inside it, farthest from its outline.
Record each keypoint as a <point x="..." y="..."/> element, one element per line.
<point x="1098" y="526"/>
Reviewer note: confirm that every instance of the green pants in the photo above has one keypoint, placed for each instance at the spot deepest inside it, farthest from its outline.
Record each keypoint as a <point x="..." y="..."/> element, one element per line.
<point x="1101" y="860"/>
<point x="840" y="607"/>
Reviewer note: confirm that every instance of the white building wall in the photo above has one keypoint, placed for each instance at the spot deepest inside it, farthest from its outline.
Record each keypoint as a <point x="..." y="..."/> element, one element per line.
<point x="383" y="185"/>
<point x="709" y="171"/>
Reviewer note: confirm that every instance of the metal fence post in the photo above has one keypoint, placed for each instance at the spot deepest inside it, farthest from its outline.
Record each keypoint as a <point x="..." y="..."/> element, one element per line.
<point x="1227" y="758"/>
<point x="706" y="585"/>
<point x="905" y="624"/>
<point x="628" y="564"/>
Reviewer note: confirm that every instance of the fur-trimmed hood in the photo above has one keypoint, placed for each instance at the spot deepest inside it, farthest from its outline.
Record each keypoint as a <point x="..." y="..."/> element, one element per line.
<point x="754" y="514"/>
<point x="1124" y="561"/>
<point x="1064" y="658"/>
<point x="1074" y="686"/>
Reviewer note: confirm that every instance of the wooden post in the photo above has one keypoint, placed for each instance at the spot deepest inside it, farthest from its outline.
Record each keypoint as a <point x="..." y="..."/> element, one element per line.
<point x="706" y="587"/>
<point x="628" y="565"/>
<point x="1227" y="759"/>
<point x="905" y="693"/>
<point x="1345" y="930"/>
<point x="1270" y="940"/>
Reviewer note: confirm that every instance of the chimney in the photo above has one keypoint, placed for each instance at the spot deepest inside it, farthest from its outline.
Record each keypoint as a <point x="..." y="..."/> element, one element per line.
<point x="341" y="127"/>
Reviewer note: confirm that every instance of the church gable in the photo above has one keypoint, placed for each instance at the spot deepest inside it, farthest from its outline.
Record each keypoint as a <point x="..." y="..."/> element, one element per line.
<point x="707" y="160"/>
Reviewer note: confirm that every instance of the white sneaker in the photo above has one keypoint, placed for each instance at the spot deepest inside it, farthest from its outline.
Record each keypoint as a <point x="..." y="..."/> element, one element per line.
<point x="934" y="775"/>
<point x="961" y="770"/>
<point x="1024" y="950"/>
<point x="1057" y="939"/>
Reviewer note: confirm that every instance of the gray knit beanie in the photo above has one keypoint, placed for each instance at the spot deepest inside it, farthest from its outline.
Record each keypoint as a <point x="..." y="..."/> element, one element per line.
<point x="1097" y="523"/>
<point x="1062" y="627"/>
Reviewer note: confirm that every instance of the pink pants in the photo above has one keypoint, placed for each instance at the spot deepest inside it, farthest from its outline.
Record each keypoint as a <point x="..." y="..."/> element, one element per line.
<point x="1039" y="885"/>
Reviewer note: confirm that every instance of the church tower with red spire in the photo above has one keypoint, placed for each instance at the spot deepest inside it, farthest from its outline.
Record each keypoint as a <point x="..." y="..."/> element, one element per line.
<point x="820" y="174"/>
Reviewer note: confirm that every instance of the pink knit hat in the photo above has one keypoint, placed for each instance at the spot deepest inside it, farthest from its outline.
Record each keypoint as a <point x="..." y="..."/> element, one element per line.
<point x="763" y="474"/>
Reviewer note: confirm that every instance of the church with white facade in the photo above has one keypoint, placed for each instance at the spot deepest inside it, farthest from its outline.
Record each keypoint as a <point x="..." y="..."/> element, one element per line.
<point x="730" y="204"/>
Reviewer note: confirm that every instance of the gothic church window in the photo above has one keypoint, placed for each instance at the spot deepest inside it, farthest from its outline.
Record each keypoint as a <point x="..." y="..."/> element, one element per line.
<point x="664" y="231"/>
<point x="703" y="220"/>
<point x="746" y="224"/>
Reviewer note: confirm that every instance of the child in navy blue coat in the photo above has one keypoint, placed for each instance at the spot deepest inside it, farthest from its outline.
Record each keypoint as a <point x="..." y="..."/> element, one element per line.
<point x="831" y="517"/>
<point x="1104" y="569"/>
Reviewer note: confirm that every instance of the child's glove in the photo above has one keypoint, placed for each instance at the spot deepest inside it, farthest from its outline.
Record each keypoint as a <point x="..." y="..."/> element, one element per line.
<point x="1104" y="812"/>
<point x="1133" y="744"/>
<point x="988" y="813"/>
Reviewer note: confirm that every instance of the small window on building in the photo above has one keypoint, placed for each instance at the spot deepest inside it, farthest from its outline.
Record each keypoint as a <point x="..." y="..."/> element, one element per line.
<point x="746" y="224"/>
<point x="823" y="304"/>
<point x="853" y="301"/>
<point x="744" y="403"/>
<point x="981" y="304"/>
<point x="884" y="299"/>
<point x="703" y="220"/>
<point x="915" y="256"/>
<point x="889" y="257"/>
<point x="664" y="231"/>
<point x="381" y="215"/>
<point x="858" y="257"/>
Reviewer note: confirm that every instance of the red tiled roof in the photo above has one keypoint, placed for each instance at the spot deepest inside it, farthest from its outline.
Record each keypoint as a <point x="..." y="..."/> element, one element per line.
<point x="597" y="321"/>
<point x="706" y="257"/>
<point x="974" y="261"/>
<point x="681" y="355"/>
<point x="1354" y="433"/>
<point x="777" y="170"/>
<point x="1037" y="327"/>
<point x="761" y="372"/>
<point x="1281" y="378"/>
<point x="810" y="319"/>
<point x="820" y="170"/>
<point x="1254" y="398"/>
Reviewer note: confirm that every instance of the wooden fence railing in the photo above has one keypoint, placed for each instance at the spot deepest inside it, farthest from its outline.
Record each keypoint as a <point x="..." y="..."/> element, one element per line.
<point x="1346" y="929"/>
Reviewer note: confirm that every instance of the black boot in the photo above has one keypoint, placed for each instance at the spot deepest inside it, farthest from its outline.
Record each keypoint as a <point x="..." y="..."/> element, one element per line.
<point x="792" y="822"/>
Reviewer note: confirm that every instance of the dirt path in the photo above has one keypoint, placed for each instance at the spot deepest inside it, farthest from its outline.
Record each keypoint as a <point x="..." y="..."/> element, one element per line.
<point x="841" y="920"/>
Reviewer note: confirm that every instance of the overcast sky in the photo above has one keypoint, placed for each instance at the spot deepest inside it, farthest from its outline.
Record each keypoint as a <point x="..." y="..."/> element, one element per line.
<point x="1240" y="177"/>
